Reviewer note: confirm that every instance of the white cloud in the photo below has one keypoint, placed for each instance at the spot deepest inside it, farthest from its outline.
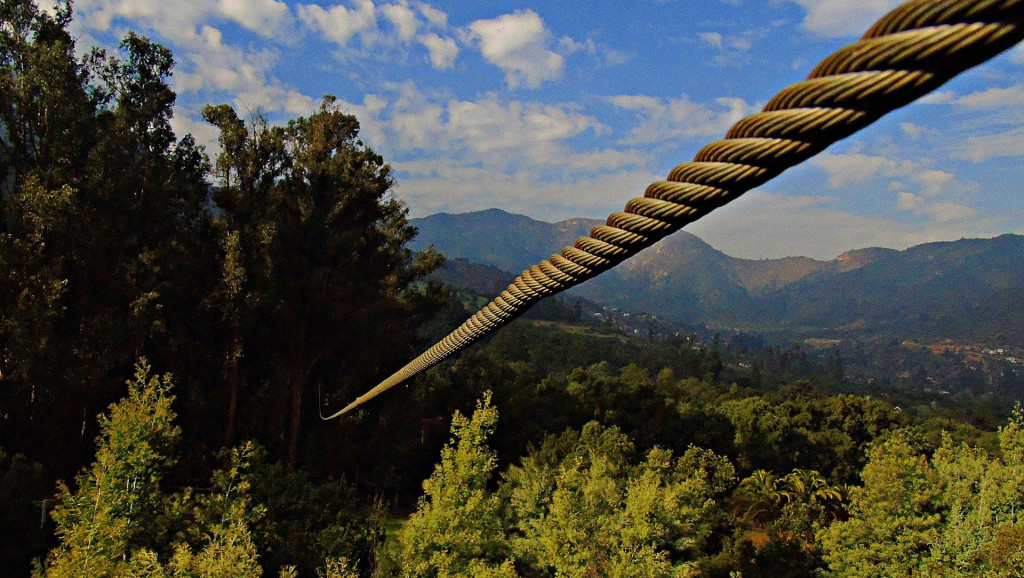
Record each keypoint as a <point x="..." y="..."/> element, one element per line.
<point x="175" y="21"/>
<point x="993" y="98"/>
<point x="403" y="18"/>
<point x="179" y="21"/>
<point x="459" y="155"/>
<point x="912" y="130"/>
<point x="433" y="15"/>
<point x="216" y="65"/>
<point x="204" y="133"/>
<point x="488" y="125"/>
<point x="908" y="201"/>
<point x="935" y="182"/>
<point x="733" y="44"/>
<point x="612" y="57"/>
<point x="338" y="23"/>
<point x="940" y="212"/>
<point x="936" y="197"/>
<point x="937" y="97"/>
<point x="740" y="44"/>
<point x="506" y="134"/>
<point x="1008" y="143"/>
<point x="989" y="99"/>
<point x="713" y="39"/>
<point x="569" y="45"/>
<point x="857" y="169"/>
<point x="212" y="66"/>
<point x="854" y="168"/>
<point x="763" y="225"/>
<point x="266" y="17"/>
<point x="1017" y="54"/>
<point x="606" y="56"/>
<point x="519" y="44"/>
<point x="499" y="133"/>
<point x="834" y="18"/>
<point x="341" y="24"/>
<point x="418" y="127"/>
<point x="992" y="123"/>
<point x="457" y="187"/>
<point x="442" y="51"/>
<point x="208" y="65"/>
<point x="664" y="120"/>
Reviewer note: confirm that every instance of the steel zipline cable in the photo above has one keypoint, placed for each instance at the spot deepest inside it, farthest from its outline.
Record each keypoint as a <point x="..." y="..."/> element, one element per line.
<point x="908" y="53"/>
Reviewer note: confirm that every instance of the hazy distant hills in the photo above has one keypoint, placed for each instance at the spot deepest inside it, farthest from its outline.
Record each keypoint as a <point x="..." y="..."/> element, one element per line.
<point x="968" y="290"/>
<point x="493" y="237"/>
<point x="484" y="279"/>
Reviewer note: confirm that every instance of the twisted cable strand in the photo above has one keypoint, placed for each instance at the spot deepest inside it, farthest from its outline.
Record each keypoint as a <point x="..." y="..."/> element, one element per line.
<point x="909" y="52"/>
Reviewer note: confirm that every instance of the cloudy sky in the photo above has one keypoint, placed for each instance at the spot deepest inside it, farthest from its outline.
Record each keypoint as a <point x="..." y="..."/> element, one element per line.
<point x="563" y="109"/>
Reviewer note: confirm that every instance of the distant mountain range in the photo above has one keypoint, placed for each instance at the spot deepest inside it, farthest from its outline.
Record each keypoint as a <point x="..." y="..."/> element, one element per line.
<point x="970" y="290"/>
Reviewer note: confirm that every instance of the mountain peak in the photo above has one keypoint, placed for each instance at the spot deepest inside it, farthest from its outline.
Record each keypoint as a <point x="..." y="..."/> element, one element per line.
<point x="858" y="258"/>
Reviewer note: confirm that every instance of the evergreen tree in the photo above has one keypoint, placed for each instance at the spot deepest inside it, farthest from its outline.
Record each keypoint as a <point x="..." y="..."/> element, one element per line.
<point x="110" y="513"/>
<point x="118" y="521"/>
<point x="103" y="224"/>
<point x="456" y="530"/>
<point x="316" y="274"/>
<point x="954" y="511"/>
<point x="581" y="507"/>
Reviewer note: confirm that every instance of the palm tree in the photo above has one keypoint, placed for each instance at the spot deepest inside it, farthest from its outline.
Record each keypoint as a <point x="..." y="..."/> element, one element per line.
<point x="759" y="498"/>
<point x="810" y="487"/>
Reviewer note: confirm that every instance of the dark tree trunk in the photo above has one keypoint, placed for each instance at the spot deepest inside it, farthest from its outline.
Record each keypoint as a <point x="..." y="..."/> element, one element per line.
<point x="233" y="385"/>
<point x="295" y="430"/>
<point x="296" y="425"/>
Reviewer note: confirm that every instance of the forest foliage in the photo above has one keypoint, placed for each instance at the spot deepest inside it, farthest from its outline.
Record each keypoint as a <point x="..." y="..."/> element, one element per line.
<point x="244" y="293"/>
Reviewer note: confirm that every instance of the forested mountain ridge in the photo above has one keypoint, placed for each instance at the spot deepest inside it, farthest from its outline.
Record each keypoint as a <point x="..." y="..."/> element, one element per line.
<point x="969" y="288"/>
<point x="966" y="289"/>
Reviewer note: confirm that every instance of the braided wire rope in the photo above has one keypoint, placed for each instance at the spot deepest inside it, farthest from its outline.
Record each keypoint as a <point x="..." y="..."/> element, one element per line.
<point x="908" y="53"/>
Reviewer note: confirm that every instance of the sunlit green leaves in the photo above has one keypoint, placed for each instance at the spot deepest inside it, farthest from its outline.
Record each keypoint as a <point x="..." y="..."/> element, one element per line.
<point x="456" y="531"/>
<point x="956" y="512"/>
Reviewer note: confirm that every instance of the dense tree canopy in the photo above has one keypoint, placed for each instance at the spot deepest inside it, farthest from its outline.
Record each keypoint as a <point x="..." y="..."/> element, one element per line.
<point x="953" y="510"/>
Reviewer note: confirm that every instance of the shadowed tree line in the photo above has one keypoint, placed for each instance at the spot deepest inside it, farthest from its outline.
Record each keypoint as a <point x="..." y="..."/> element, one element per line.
<point x="276" y="270"/>
<point x="259" y="279"/>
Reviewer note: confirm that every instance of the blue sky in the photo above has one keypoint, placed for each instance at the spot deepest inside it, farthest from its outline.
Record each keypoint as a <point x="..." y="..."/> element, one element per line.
<point x="568" y="109"/>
